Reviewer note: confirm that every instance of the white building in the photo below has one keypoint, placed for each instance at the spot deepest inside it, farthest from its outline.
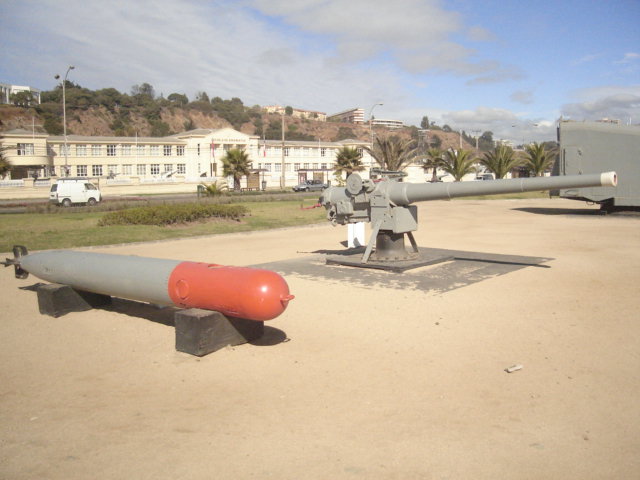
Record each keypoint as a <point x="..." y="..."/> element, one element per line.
<point x="6" y="90"/>
<point x="354" y="115"/>
<point x="193" y="156"/>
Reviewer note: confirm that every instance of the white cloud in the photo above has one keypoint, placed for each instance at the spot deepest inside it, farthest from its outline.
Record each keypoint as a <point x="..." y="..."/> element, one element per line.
<point x="504" y="124"/>
<point x="417" y="35"/>
<point x="525" y="97"/>
<point x="622" y="103"/>
<point x="628" y="58"/>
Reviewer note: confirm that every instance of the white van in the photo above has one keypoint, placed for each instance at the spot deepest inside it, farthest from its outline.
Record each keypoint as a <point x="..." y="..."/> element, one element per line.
<point x="74" y="190"/>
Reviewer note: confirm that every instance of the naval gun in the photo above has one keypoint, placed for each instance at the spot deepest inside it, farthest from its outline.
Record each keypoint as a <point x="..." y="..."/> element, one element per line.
<point x="388" y="204"/>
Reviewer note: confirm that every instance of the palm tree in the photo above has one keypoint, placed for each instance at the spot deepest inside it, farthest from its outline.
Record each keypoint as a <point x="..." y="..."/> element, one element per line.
<point x="538" y="158"/>
<point x="348" y="160"/>
<point x="236" y="164"/>
<point x="458" y="163"/>
<point x="433" y="160"/>
<point x="393" y="153"/>
<point x="501" y="160"/>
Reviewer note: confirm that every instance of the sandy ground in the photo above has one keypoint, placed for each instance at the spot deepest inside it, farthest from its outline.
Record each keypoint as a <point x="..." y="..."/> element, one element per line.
<point x="353" y="380"/>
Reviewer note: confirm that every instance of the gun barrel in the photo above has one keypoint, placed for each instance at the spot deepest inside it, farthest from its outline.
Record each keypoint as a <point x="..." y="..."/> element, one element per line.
<point x="250" y="293"/>
<point x="407" y="193"/>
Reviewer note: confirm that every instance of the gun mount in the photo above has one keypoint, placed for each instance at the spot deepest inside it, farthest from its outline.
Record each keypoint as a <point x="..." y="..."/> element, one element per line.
<point x="387" y="204"/>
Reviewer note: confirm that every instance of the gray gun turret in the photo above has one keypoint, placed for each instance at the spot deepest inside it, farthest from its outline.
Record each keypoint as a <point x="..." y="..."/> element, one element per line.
<point x="387" y="204"/>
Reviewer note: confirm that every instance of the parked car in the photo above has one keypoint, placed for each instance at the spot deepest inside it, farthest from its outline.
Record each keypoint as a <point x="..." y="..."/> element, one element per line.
<point x="310" y="186"/>
<point x="74" y="190"/>
<point x="485" y="176"/>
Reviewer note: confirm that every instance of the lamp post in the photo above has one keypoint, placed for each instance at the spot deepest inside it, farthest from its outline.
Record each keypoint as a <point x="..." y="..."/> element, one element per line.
<point x="282" y="177"/>
<point x="371" y="125"/>
<point x="64" y="119"/>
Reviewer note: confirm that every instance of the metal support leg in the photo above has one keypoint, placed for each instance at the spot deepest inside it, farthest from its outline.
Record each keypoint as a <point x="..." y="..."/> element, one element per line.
<point x="414" y="245"/>
<point x="372" y="239"/>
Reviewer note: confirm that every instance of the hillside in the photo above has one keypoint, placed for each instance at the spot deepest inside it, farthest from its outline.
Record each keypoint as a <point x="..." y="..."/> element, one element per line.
<point x="161" y="117"/>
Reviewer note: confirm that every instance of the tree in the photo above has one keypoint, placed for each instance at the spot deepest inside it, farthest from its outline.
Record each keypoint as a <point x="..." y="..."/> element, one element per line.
<point x="144" y="89"/>
<point x="178" y="98"/>
<point x="348" y="160"/>
<point x="436" y="141"/>
<point x="5" y="166"/>
<point x="22" y="99"/>
<point x="202" y="97"/>
<point x="501" y="160"/>
<point x="433" y="160"/>
<point x="236" y="164"/>
<point x="458" y="163"/>
<point x="424" y="123"/>
<point x="288" y="110"/>
<point x="538" y="159"/>
<point x="393" y="153"/>
<point x="485" y="142"/>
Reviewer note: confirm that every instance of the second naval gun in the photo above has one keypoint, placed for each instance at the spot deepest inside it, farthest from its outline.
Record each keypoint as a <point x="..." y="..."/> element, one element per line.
<point x="388" y="204"/>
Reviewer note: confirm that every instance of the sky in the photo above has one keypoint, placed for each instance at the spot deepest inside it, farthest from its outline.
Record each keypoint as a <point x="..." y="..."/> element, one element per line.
<point x="512" y="67"/>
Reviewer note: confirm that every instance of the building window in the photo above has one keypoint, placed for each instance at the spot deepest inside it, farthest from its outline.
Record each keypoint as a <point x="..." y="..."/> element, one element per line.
<point x="286" y="151"/>
<point x="81" y="150"/>
<point x="167" y="150"/>
<point x="81" y="170"/>
<point x="180" y="150"/>
<point x="278" y="167"/>
<point x="182" y="168"/>
<point x="306" y="166"/>
<point x="141" y="169"/>
<point x="126" y="150"/>
<point x="155" y="169"/>
<point x="25" y="149"/>
<point x="168" y="168"/>
<point x="64" y="150"/>
<point x="287" y="167"/>
<point x="267" y="167"/>
<point x="96" y="150"/>
<point x="112" y="170"/>
<point x="296" y="166"/>
<point x="154" y="150"/>
<point x="96" y="170"/>
<point x="323" y="166"/>
<point x="140" y="149"/>
<point x="198" y="149"/>
<point x="323" y="152"/>
<point x="127" y="169"/>
<point x="111" y="150"/>
<point x="360" y="151"/>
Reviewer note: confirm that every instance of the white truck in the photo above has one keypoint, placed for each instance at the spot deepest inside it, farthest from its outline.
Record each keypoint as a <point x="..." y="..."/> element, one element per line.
<point x="67" y="191"/>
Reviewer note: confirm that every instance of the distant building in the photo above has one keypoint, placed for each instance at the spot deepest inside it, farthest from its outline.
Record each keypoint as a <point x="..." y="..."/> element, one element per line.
<point x="384" y="122"/>
<point x="355" y="115"/>
<point x="298" y="113"/>
<point x="6" y="90"/>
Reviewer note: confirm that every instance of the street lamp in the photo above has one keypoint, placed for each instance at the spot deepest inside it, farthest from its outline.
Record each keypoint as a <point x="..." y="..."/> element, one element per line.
<point x="371" y="124"/>
<point x="64" y="119"/>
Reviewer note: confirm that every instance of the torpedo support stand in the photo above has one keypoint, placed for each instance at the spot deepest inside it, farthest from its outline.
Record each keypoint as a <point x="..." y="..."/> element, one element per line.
<point x="198" y="332"/>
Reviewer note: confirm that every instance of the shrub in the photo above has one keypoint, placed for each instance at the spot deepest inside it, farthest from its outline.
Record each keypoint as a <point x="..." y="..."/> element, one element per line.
<point x="172" y="214"/>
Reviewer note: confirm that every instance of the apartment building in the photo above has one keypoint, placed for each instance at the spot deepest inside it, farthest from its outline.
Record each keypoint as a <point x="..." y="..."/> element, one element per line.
<point x="354" y="115"/>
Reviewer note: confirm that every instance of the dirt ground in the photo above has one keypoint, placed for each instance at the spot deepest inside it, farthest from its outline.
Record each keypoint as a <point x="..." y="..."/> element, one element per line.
<point x="355" y="380"/>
